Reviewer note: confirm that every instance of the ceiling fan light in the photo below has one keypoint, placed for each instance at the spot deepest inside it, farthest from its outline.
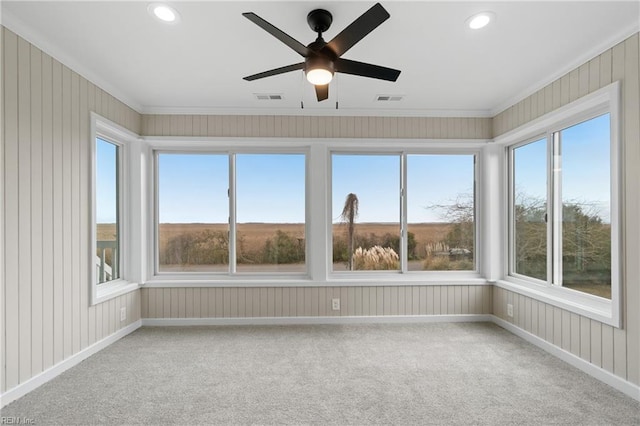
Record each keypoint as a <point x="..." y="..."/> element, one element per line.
<point x="319" y="76"/>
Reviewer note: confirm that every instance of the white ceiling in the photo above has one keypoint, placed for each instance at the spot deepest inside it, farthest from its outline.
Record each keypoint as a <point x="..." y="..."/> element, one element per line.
<point x="197" y="65"/>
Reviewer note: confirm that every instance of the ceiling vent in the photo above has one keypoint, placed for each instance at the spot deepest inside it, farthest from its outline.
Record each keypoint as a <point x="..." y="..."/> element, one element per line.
<point x="268" y="96"/>
<point x="384" y="98"/>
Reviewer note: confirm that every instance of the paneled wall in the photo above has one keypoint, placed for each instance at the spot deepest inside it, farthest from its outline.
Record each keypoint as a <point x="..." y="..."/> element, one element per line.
<point x="316" y="127"/>
<point x="615" y="350"/>
<point x="230" y="302"/>
<point x="315" y="301"/>
<point x="45" y="136"/>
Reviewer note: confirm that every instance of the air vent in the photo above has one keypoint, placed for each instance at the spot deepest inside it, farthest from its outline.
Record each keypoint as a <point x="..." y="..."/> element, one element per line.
<point x="268" y="96"/>
<point x="384" y="98"/>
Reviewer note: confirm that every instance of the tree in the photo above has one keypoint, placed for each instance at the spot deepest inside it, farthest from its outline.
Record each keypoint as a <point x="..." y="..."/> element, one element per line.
<point x="348" y="215"/>
<point x="460" y="213"/>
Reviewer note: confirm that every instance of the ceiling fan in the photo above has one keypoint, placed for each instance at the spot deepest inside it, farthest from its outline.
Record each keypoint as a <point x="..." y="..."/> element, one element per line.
<point x="323" y="59"/>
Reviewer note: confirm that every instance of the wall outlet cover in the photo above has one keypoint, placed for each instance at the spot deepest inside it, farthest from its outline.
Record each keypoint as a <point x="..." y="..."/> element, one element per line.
<point x="335" y="304"/>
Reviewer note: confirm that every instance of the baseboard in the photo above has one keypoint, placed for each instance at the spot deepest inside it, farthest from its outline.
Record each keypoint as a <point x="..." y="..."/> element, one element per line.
<point x="42" y="378"/>
<point x="601" y="374"/>
<point x="151" y="322"/>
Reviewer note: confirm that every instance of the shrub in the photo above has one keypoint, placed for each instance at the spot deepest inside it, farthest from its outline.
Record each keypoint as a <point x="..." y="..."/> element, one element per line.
<point x="284" y="248"/>
<point x="201" y="248"/>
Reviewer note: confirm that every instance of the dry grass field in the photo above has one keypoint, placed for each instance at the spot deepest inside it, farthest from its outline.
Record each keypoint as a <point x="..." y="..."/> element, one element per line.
<point x="256" y="234"/>
<point x="106" y="232"/>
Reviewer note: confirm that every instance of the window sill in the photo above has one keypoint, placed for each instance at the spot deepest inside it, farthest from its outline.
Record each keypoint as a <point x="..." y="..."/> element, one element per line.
<point x="587" y="305"/>
<point x="334" y="280"/>
<point x="110" y="290"/>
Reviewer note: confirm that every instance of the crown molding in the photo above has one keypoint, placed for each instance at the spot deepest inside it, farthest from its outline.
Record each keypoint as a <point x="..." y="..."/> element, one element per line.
<point x="324" y="112"/>
<point x="33" y="36"/>
<point x="618" y="37"/>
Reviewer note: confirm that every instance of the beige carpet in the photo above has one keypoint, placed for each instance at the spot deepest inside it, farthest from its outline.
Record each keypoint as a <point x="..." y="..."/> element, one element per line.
<point x="462" y="373"/>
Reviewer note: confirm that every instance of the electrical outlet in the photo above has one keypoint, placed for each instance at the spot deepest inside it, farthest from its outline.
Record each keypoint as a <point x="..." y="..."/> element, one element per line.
<point x="123" y="314"/>
<point x="335" y="304"/>
<point x="509" y="310"/>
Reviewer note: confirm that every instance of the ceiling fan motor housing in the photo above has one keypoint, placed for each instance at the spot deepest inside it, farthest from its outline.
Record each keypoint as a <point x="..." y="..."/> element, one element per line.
<point x="319" y="61"/>
<point x="319" y="20"/>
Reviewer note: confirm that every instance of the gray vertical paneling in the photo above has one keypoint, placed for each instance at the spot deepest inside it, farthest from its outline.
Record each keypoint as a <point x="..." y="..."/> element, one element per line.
<point x="3" y="336"/>
<point x="45" y="165"/>
<point x="85" y="223"/>
<point x="632" y="205"/>
<point x="24" y="206"/>
<point x="317" y="127"/>
<point x="58" y="299"/>
<point x="36" y="225"/>
<point x="615" y="350"/>
<point x="232" y="302"/>
<point x="47" y="210"/>
<point x="66" y="190"/>
<point x="11" y="213"/>
<point x="75" y="213"/>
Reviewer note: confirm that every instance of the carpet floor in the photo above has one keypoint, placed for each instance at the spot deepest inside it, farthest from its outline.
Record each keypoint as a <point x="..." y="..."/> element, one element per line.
<point x="403" y="374"/>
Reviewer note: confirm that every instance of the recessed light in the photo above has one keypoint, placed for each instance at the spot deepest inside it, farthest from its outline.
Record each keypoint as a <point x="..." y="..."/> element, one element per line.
<point x="480" y="20"/>
<point x="164" y="13"/>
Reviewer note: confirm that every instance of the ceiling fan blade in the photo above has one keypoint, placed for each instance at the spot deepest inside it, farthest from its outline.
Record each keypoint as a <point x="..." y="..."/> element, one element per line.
<point x="275" y="71"/>
<point x="366" y="70"/>
<point x="277" y="33"/>
<point x="322" y="92"/>
<point x="358" y="29"/>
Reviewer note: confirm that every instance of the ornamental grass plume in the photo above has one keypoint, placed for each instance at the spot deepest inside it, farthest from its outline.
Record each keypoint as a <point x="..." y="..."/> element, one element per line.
<point x="375" y="258"/>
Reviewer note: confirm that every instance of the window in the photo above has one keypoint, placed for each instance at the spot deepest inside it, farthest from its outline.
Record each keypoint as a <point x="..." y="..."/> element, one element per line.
<point x="255" y="212"/>
<point x="114" y="184"/>
<point x="582" y="176"/>
<point x="563" y="192"/>
<point x="573" y="249"/>
<point x="369" y="211"/>
<point x="193" y="213"/>
<point x="529" y="199"/>
<point x="270" y="213"/>
<point x="441" y="212"/>
<point x="108" y="254"/>
<point x="231" y="213"/>
<point x="366" y="212"/>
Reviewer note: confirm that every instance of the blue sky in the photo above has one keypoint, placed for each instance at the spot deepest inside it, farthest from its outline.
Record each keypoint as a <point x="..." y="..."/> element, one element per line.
<point x="270" y="187"/>
<point x="585" y="166"/>
<point x="106" y="188"/>
<point x="375" y="179"/>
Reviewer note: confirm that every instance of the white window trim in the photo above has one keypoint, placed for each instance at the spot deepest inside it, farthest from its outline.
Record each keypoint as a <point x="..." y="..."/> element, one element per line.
<point x="130" y="193"/>
<point x="448" y="276"/>
<point x="606" y="99"/>
<point x="230" y="149"/>
<point x="318" y="214"/>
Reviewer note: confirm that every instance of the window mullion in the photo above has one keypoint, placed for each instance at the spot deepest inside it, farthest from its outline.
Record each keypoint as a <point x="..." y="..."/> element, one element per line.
<point x="556" y="208"/>
<point x="232" y="213"/>
<point x="404" y="241"/>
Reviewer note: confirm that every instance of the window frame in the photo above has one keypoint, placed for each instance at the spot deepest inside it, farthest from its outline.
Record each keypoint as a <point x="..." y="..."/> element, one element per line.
<point x="129" y="189"/>
<point x="603" y="101"/>
<point x="318" y="214"/>
<point x="231" y="150"/>
<point x="446" y="276"/>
